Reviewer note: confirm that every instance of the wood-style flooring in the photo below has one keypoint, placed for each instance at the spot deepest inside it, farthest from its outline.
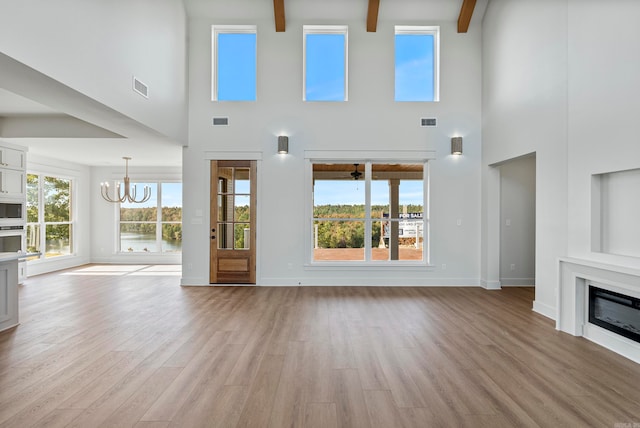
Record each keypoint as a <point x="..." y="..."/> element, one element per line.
<point x="126" y="346"/>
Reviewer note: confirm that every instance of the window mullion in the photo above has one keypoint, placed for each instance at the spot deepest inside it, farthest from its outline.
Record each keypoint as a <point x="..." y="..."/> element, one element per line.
<point x="159" y="217"/>
<point x="43" y="226"/>
<point x="367" y="212"/>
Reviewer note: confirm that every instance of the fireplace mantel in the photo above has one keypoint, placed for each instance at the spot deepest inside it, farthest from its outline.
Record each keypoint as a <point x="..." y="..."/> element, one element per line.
<point x="572" y="313"/>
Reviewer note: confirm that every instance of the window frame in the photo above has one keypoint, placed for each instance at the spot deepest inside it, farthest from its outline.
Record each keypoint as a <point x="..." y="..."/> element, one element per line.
<point x="368" y="159"/>
<point x="325" y="29"/>
<point x="229" y="29"/>
<point x="42" y="224"/>
<point x="433" y="30"/>
<point x="158" y="222"/>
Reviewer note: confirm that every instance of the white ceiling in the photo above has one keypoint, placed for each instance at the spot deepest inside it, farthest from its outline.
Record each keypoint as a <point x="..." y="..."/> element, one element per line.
<point x="305" y="10"/>
<point x="97" y="147"/>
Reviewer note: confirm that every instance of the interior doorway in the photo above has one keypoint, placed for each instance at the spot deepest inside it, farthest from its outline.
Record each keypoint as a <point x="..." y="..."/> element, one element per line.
<point x="233" y="222"/>
<point x="518" y="221"/>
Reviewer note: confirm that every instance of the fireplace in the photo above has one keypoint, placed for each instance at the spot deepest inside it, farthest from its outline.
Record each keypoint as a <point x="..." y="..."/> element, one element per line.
<point x="615" y="312"/>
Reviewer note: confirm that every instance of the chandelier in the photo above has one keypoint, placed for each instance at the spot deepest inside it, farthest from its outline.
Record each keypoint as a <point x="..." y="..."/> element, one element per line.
<point x="129" y="194"/>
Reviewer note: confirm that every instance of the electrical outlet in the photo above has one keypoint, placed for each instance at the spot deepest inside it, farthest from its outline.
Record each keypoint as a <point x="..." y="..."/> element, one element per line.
<point x="513" y="267"/>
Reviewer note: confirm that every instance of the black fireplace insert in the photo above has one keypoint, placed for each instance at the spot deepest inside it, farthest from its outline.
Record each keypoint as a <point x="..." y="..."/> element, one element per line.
<point x="615" y="312"/>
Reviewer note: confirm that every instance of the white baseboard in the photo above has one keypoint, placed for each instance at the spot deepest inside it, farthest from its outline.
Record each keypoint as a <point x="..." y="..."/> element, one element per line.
<point x="490" y="285"/>
<point x="544" y="309"/>
<point x="518" y="282"/>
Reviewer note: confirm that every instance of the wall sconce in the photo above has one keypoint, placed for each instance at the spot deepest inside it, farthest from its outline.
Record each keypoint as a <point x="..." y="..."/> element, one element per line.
<point x="456" y="146"/>
<point x="283" y="144"/>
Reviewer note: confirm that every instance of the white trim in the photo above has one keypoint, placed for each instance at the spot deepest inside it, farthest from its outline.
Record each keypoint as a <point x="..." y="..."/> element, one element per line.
<point x="433" y="30"/>
<point x="229" y="155"/>
<point x="325" y="29"/>
<point x="490" y="285"/>
<point x="387" y="156"/>
<point x="228" y="29"/>
<point x="544" y="309"/>
<point x="518" y="282"/>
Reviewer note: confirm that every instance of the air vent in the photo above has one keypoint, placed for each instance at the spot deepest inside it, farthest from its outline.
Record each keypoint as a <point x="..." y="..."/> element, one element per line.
<point x="428" y="121"/>
<point x="220" y="121"/>
<point x="140" y="87"/>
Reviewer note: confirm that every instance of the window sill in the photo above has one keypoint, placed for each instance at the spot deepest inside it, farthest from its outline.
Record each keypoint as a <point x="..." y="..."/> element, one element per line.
<point x="398" y="265"/>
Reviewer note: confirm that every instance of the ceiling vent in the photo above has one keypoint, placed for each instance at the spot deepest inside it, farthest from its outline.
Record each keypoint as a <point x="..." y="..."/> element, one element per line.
<point x="140" y="87"/>
<point x="220" y="121"/>
<point x="428" y="121"/>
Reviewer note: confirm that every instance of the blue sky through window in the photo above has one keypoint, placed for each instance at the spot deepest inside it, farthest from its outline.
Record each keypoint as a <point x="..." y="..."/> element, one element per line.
<point x="414" y="62"/>
<point x="351" y="192"/>
<point x="325" y="67"/>
<point x="236" y="67"/>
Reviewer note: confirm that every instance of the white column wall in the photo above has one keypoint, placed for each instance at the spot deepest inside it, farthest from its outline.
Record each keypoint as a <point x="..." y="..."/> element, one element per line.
<point x="604" y="101"/>
<point x="524" y="110"/>
<point x="370" y="120"/>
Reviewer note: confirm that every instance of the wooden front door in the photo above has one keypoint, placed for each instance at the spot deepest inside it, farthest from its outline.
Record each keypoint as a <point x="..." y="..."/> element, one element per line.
<point x="233" y="222"/>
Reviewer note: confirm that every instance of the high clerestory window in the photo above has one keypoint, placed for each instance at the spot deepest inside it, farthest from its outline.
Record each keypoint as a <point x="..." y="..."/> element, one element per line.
<point x="234" y="62"/>
<point x="417" y="63"/>
<point x="325" y="63"/>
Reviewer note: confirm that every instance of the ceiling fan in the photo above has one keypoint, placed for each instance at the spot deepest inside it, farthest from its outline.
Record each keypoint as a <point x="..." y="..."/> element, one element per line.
<point x="356" y="174"/>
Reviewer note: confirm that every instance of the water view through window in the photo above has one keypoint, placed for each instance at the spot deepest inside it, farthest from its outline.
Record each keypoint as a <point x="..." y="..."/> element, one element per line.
<point x="156" y="225"/>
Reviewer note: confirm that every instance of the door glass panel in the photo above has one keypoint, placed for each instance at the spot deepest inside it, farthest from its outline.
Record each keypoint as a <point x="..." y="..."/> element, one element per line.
<point x="225" y="204"/>
<point x="242" y="236"/>
<point x="242" y="212"/>
<point x="242" y="181"/>
<point x="225" y="175"/>
<point x="225" y="236"/>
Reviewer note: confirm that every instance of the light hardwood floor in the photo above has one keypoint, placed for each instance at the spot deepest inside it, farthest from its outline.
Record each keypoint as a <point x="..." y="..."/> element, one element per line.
<point x="127" y="346"/>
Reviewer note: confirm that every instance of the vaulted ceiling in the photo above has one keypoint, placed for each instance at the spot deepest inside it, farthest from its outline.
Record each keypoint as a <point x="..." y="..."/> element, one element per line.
<point x="369" y="12"/>
<point x="373" y="7"/>
<point x="49" y="131"/>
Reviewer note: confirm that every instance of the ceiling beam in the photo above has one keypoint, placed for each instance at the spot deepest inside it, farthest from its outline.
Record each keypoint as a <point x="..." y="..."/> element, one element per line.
<point x="372" y="15"/>
<point x="466" y="12"/>
<point x="278" y="14"/>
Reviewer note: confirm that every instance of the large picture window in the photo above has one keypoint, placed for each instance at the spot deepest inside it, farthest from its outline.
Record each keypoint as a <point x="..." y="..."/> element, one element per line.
<point x="49" y="216"/>
<point x="154" y="226"/>
<point x="369" y="212"/>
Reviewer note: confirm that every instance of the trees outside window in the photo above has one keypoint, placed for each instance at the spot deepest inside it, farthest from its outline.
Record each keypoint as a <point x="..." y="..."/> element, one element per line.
<point x="369" y="212"/>
<point x="49" y="216"/>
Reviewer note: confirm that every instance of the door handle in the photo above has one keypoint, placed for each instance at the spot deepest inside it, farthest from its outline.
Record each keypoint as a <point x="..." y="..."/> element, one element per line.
<point x="213" y="237"/>
<point x="213" y="230"/>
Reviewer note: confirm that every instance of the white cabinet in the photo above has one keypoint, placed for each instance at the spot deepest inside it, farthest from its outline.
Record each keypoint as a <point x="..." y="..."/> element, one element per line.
<point x="12" y="158"/>
<point x="8" y="294"/>
<point x="12" y="183"/>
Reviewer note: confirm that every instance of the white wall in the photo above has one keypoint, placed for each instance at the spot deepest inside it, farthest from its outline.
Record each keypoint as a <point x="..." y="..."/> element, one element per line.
<point x="81" y="212"/>
<point x="561" y="79"/>
<point x="616" y="210"/>
<point x="96" y="48"/>
<point x="604" y="101"/>
<point x="104" y="215"/>
<point x="518" y="221"/>
<point x="524" y="108"/>
<point x="370" y="120"/>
